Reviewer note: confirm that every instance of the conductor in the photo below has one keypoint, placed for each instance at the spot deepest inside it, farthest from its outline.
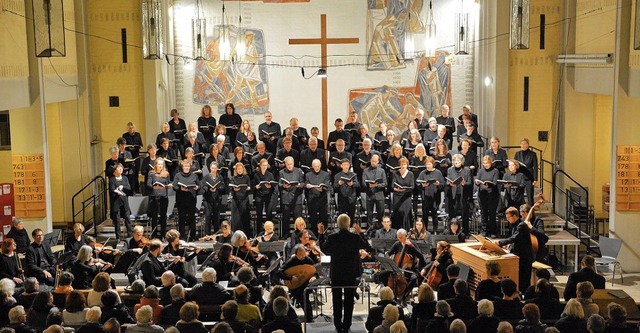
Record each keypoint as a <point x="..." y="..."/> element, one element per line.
<point x="344" y="248"/>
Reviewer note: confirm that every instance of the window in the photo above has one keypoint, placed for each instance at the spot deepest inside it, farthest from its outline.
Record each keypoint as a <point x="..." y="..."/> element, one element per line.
<point x="5" y="133"/>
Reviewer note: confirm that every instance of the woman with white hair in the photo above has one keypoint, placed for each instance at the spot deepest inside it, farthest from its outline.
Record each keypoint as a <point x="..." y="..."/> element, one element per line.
<point x="375" y="316"/>
<point x="442" y="317"/>
<point x="390" y="315"/>
<point x="485" y="321"/>
<point x="82" y="270"/>
<point x="574" y="321"/>
<point x="144" y="324"/>
<point x="7" y="302"/>
<point x="93" y="321"/>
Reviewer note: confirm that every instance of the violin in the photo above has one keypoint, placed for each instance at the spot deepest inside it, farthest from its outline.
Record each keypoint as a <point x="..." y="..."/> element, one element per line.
<point x="108" y="249"/>
<point x="237" y="260"/>
<point x="315" y="249"/>
<point x="164" y="257"/>
<point x="144" y="242"/>
<point x="190" y="246"/>
<point x="252" y="251"/>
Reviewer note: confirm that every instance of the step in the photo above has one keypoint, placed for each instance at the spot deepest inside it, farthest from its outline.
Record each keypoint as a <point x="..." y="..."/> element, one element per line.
<point x="552" y="222"/>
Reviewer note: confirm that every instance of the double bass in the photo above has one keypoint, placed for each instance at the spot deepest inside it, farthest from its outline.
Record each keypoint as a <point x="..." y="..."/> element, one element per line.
<point x="535" y="246"/>
<point x="434" y="277"/>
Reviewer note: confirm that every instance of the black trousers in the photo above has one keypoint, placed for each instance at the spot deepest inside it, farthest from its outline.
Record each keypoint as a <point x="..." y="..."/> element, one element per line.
<point x="263" y="203"/>
<point x="317" y="209"/>
<point x="187" y="214"/>
<point x="158" y="207"/>
<point x="430" y="208"/>
<point x="211" y="217"/>
<point x="342" y="321"/>
<point x="116" y="214"/>
<point x="379" y="205"/>
<point x="488" y="208"/>
<point x="347" y="207"/>
<point x="289" y="212"/>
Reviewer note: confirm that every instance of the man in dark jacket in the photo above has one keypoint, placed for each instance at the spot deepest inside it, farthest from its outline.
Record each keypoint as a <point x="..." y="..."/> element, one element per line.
<point x="446" y="290"/>
<point x="171" y="312"/>
<point x="209" y="292"/>
<point x="520" y="241"/>
<point x="40" y="260"/>
<point x="281" y="322"/>
<point x="586" y="273"/>
<point x="463" y="306"/>
<point x="151" y="267"/>
<point x="344" y="248"/>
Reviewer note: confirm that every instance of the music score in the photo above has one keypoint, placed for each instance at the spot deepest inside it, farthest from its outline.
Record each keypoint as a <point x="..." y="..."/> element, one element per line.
<point x="29" y="185"/>
<point x="628" y="178"/>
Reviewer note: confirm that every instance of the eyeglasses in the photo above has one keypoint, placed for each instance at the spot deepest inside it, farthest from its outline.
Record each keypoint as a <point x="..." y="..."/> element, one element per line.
<point x="39" y="235"/>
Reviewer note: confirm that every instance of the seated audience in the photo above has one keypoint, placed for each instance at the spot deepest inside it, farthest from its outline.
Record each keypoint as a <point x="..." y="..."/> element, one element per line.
<point x="135" y="293"/>
<point x="549" y="307"/>
<point x="189" y="322"/>
<point x="18" y="320"/>
<point x="268" y="314"/>
<point x="458" y="326"/>
<point x="222" y="327"/>
<point x="531" y="322"/>
<point x="100" y="284"/>
<point x="168" y="281"/>
<point x="247" y="277"/>
<point x="485" y="322"/>
<point x="111" y="326"/>
<point x="617" y="321"/>
<point x="247" y="313"/>
<point x="505" y="327"/>
<point x="281" y="321"/>
<point x="509" y="307"/>
<point x="440" y="322"/>
<point x="54" y="329"/>
<point x="209" y="292"/>
<point x="111" y="308"/>
<point x="93" y="322"/>
<point x="490" y="288"/>
<point x="425" y="308"/>
<point x="542" y="274"/>
<point x="40" y="308"/>
<point x="463" y="306"/>
<point x="375" y="313"/>
<point x="6" y="303"/>
<point x="144" y="322"/>
<point x="390" y="315"/>
<point x="63" y="289"/>
<point x="31" y="288"/>
<point x="586" y="273"/>
<point x="230" y="314"/>
<point x="584" y="292"/>
<point x="445" y="290"/>
<point x="398" y="327"/>
<point x="171" y="312"/>
<point x="596" y="324"/>
<point x="75" y="310"/>
<point x="151" y="298"/>
<point x="573" y="319"/>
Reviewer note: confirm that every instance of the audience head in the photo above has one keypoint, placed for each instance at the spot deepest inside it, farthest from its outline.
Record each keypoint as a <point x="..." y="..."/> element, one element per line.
<point x="461" y="287"/>
<point x="551" y="330"/>
<point x="390" y="313"/>
<point x="54" y="318"/>
<point x="102" y="282"/>
<point x="543" y="274"/>
<point x="493" y="267"/>
<point x="10" y="330"/>
<point x="485" y="308"/>
<point x="584" y="290"/>
<point x="209" y="275"/>
<point x="137" y="287"/>
<point x="276" y="291"/>
<point x="505" y="327"/>
<point x="151" y="292"/>
<point x="457" y="326"/>
<point x="245" y="275"/>
<point x="386" y="294"/>
<point x="177" y="292"/>
<point x="595" y="324"/>
<point x="222" y="327"/>
<point x="453" y="271"/>
<point x="531" y="312"/>
<point x="242" y="294"/>
<point x="43" y="301"/>
<point x="617" y="313"/>
<point x="589" y="262"/>
<point x="281" y="306"/>
<point x="109" y="298"/>
<point x="443" y="309"/>
<point x="66" y="278"/>
<point x="168" y="278"/>
<point x="75" y="301"/>
<point x="543" y="287"/>
<point x="171" y="329"/>
<point x="425" y="294"/>
<point x="8" y="287"/>
<point x="31" y="285"/>
<point x="111" y="326"/>
<point x="54" y="329"/>
<point x="93" y="315"/>
<point x="189" y="312"/>
<point x="574" y="309"/>
<point x="509" y="288"/>
<point x="17" y="315"/>
<point x="398" y="327"/>
<point x="144" y="314"/>
<point x="230" y="310"/>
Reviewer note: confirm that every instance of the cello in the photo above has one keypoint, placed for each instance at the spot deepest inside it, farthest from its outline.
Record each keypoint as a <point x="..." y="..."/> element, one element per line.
<point x="434" y="277"/>
<point x="398" y="281"/>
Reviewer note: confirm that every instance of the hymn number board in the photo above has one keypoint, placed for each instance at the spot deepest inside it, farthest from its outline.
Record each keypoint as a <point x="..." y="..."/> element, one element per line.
<point x="29" y="189"/>
<point x="628" y="178"/>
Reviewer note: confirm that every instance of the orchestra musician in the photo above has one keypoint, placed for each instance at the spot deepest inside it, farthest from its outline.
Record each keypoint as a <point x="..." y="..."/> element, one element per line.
<point x="133" y="142"/>
<point x="265" y="185"/>
<point x="153" y="265"/>
<point x="40" y="259"/>
<point x="243" y="250"/>
<point x="19" y="235"/>
<point x="488" y="195"/>
<point x="455" y="229"/>
<point x="317" y="183"/>
<point x="226" y="264"/>
<point x="178" y="127"/>
<point x="175" y="248"/>
<point x="386" y="232"/>
<point x="207" y="124"/>
<point x="158" y="182"/>
<point x="442" y="259"/>
<point x="291" y="198"/>
<point x="133" y="247"/>
<point x="298" y="227"/>
<point x="10" y="268"/>
<point x="402" y="187"/>
<point x="418" y="232"/>
<point x="268" y="235"/>
<point x="536" y="226"/>
<point x="520" y="245"/>
<point x="298" y="258"/>
<point x="214" y="189"/>
<point x="83" y="269"/>
<point x="118" y="188"/>
<point x="374" y="182"/>
<point x="225" y="232"/>
<point x="269" y="132"/>
<point x="77" y="240"/>
<point x="345" y="184"/>
<point x="186" y="185"/>
<point x="240" y="187"/>
<point x="148" y="164"/>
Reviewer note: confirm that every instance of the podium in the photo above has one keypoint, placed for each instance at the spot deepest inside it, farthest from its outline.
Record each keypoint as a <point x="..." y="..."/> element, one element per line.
<point x="469" y="254"/>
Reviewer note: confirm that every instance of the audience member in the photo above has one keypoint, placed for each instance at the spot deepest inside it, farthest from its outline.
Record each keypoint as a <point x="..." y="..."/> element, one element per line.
<point x="230" y="314"/>
<point x="398" y="327"/>
<point x="6" y="304"/>
<point x="463" y="306"/>
<point x="247" y="313"/>
<point x="144" y="322"/>
<point x="171" y="312"/>
<point x="268" y="314"/>
<point x="584" y="292"/>
<point x="549" y="307"/>
<point x="586" y="273"/>
<point x="93" y="322"/>
<point x="573" y="320"/>
<point x="542" y="274"/>
<point x="111" y="326"/>
<point x="425" y="308"/>
<point x="596" y="324"/>
<point x="390" y="315"/>
<point x="490" y="288"/>
<point x="445" y="290"/>
<point x="151" y="298"/>
<point x="18" y="320"/>
<point x="189" y="322"/>
<point x="31" y="288"/>
<point x="40" y="308"/>
<point x="54" y="329"/>
<point x="281" y="321"/>
<point x="112" y="309"/>
<point x="375" y="318"/>
<point x="168" y="281"/>
<point x="75" y="310"/>
<point x="100" y="284"/>
<point x="505" y="327"/>
<point x="509" y="307"/>
<point x="458" y="326"/>
<point x="248" y="278"/>
<point x="443" y="315"/>
<point x="63" y="289"/>
<point x="617" y="321"/>
<point x="486" y="322"/>
<point x="209" y="292"/>
<point x="222" y="327"/>
<point x="531" y="322"/>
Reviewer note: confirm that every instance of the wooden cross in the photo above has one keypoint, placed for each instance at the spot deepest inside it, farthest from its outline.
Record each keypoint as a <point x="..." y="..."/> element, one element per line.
<point x="324" y="41"/>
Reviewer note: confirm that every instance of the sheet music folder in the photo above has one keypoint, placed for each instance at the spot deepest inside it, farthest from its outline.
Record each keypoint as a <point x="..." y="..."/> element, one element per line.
<point x="382" y="244"/>
<point x="276" y="246"/>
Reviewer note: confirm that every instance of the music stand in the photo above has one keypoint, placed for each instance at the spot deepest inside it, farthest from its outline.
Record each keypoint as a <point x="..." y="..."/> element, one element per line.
<point x="451" y="239"/>
<point x="382" y="244"/>
<point x="423" y="246"/>
<point x="206" y="261"/>
<point x="51" y="238"/>
<point x="314" y="286"/>
<point x="389" y="265"/>
<point x="488" y="246"/>
<point x="135" y="267"/>
<point x="65" y="258"/>
<point x="276" y="246"/>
